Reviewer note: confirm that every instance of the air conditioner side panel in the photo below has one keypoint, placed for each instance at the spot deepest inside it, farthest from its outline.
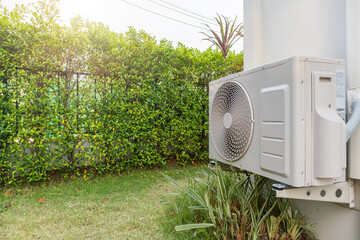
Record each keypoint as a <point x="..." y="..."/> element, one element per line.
<point x="328" y="152"/>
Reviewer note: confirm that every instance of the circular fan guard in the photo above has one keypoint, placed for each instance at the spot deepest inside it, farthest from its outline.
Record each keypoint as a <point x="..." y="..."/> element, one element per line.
<point x="231" y="121"/>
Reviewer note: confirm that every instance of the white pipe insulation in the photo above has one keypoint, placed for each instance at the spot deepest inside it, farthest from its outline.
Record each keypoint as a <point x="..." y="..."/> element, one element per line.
<point x="353" y="77"/>
<point x="354" y="121"/>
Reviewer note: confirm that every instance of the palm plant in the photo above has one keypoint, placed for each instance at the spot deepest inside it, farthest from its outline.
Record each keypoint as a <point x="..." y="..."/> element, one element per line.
<point x="230" y="33"/>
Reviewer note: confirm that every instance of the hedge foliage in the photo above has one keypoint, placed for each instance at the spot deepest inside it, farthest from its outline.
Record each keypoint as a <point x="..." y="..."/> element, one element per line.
<point x="141" y="102"/>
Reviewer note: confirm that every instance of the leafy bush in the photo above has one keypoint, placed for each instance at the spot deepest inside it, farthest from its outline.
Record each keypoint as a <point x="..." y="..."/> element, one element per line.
<point x="230" y="205"/>
<point x="83" y="100"/>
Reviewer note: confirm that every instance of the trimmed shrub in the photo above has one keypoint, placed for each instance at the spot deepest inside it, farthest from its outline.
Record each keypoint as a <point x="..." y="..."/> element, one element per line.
<point x="83" y="100"/>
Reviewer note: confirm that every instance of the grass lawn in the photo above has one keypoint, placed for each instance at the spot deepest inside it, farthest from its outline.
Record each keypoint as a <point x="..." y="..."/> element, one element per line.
<point x="126" y="206"/>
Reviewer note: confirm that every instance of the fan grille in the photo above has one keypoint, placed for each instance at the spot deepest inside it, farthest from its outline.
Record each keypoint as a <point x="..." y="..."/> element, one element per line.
<point x="231" y="121"/>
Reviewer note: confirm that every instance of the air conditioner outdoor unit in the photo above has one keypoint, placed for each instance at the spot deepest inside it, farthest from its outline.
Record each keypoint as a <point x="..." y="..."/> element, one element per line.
<point x="284" y="121"/>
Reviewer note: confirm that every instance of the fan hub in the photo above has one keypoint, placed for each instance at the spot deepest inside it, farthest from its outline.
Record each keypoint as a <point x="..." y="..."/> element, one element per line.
<point x="227" y="120"/>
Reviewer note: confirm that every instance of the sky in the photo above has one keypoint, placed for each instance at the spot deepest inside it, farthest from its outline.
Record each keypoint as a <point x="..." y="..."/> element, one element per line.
<point x="175" y="20"/>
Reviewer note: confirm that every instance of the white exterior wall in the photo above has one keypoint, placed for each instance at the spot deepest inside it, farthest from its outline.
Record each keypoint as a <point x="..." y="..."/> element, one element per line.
<point x="353" y="76"/>
<point x="278" y="29"/>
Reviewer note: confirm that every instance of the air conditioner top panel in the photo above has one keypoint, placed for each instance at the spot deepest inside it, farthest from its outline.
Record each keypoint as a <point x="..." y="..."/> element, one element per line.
<point x="281" y="62"/>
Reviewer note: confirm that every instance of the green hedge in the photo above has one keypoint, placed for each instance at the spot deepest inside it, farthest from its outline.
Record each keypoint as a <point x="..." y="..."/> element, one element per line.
<point x="142" y="102"/>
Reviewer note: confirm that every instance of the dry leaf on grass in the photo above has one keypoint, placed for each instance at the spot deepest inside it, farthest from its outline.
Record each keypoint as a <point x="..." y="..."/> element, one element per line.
<point x="77" y="190"/>
<point x="8" y="204"/>
<point x="9" y="193"/>
<point x="41" y="200"/>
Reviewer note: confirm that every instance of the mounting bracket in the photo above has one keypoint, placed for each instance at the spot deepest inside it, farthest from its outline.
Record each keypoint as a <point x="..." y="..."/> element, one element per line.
<point x="212" y="165"/>
<point x="342" y="192"/>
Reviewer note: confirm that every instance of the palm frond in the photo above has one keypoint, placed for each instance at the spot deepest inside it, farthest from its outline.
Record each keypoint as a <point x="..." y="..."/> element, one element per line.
<point x="230" y="32"/>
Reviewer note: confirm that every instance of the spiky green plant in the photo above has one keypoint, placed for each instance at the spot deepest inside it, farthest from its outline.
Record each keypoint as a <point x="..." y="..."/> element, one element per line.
<point x="229" y="33"/>
<point x="230" y="205"/>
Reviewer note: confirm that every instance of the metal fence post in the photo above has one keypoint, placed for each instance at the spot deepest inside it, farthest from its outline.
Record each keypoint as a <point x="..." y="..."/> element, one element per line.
<point x="5" y="108"/>
<point x="77" y="101"/>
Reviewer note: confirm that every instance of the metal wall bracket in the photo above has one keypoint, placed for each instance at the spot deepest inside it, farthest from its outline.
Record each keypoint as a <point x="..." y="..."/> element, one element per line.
<point x="342" y="192"/>
<point x="212" y="165"/>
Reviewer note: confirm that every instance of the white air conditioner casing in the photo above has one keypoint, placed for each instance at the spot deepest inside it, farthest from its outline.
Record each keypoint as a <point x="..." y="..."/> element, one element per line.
<point x="284" y="121"/>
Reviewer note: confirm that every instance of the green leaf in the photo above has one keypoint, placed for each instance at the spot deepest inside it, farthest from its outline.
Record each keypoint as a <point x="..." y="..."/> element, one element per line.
<point x="186" y="227"/>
